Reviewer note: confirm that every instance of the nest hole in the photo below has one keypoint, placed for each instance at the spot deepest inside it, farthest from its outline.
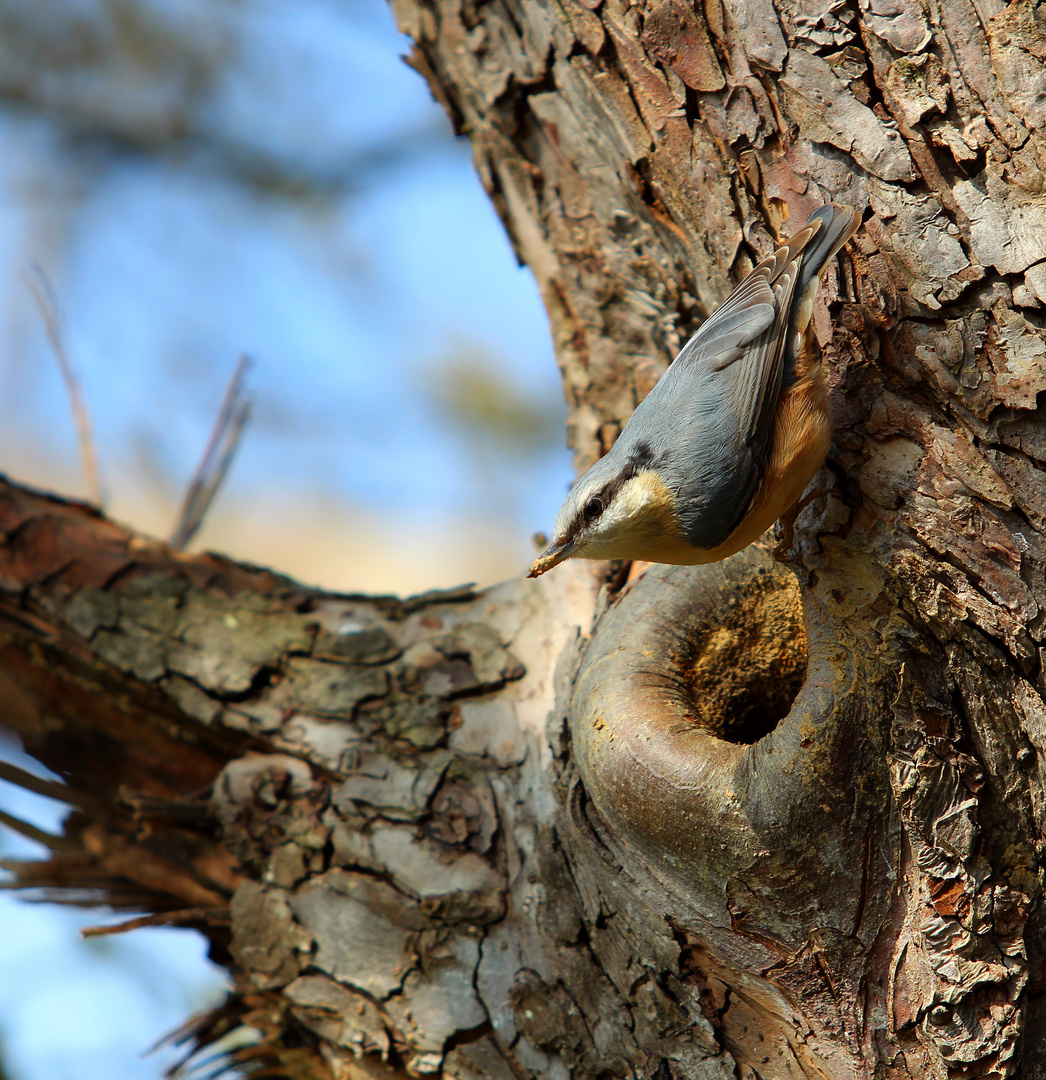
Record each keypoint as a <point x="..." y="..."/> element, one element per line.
<point x="743" y="674"/>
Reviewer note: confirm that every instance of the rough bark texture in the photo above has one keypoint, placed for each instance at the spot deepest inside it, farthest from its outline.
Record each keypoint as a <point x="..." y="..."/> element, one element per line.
<point x="711" y="822"/>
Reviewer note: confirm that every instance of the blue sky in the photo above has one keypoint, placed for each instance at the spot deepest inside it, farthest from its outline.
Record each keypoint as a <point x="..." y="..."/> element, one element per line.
<point x="351" y="299"/>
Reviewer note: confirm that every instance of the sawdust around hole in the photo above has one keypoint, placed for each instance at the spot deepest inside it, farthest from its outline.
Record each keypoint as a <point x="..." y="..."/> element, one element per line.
<point x="742" y="676"/>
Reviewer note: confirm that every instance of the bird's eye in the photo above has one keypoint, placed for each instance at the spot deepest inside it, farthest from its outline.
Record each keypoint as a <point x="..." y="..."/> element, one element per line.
<point x="593" y="508"/>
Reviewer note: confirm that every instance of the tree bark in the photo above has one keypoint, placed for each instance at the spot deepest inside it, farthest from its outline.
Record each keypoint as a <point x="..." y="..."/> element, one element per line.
<point x="733" y="821"/>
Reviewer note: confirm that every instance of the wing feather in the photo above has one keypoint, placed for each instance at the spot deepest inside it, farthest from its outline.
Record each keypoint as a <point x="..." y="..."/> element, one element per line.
<point x="722" y="389"/>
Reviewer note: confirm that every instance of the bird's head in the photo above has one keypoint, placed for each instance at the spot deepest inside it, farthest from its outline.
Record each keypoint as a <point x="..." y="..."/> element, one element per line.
<point x="620" y="509"/>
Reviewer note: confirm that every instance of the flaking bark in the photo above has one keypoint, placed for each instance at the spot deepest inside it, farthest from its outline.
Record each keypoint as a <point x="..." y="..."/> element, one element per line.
<point x="707" y="822"/>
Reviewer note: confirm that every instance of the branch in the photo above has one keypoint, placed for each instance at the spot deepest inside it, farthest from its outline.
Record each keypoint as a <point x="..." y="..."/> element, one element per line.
<point x="50" y="789"/>
<point x="155" y="678"/>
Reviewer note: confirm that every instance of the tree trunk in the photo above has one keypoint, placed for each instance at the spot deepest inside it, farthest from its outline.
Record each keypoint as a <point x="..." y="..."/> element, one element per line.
<point x="734" y="821"/>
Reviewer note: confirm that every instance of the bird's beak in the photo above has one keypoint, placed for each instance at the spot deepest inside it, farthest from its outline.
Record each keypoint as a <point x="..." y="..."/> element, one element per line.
<point x="554" y="554"/>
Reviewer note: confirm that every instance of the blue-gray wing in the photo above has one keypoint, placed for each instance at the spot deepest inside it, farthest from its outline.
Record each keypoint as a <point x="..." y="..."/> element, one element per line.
<point x="708" y="423"/>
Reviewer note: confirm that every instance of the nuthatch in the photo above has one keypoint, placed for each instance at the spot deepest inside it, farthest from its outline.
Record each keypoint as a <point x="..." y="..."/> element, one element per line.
<point x="732" y="433"/>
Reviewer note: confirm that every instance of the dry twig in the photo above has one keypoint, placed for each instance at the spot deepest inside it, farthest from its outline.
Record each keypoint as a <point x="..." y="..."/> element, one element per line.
<point x="44" y="296"/>
<point x="217" y="457"/>
<point x="194" y="916"/>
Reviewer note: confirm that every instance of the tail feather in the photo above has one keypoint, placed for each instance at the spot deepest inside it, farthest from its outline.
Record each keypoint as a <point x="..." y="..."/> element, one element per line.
<point x="840" y="223"/>
<point x="837" y="225"/>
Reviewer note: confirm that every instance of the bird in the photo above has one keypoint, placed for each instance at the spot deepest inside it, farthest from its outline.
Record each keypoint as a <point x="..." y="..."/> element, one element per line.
<point x="732" y="433"/>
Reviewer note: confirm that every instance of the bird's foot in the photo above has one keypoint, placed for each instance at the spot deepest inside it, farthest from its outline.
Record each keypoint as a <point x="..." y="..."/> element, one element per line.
<point x="788" y="519"/>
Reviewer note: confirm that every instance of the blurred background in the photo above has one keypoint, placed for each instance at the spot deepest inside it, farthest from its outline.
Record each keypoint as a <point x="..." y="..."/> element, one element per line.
<point x="196" y="179"/>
